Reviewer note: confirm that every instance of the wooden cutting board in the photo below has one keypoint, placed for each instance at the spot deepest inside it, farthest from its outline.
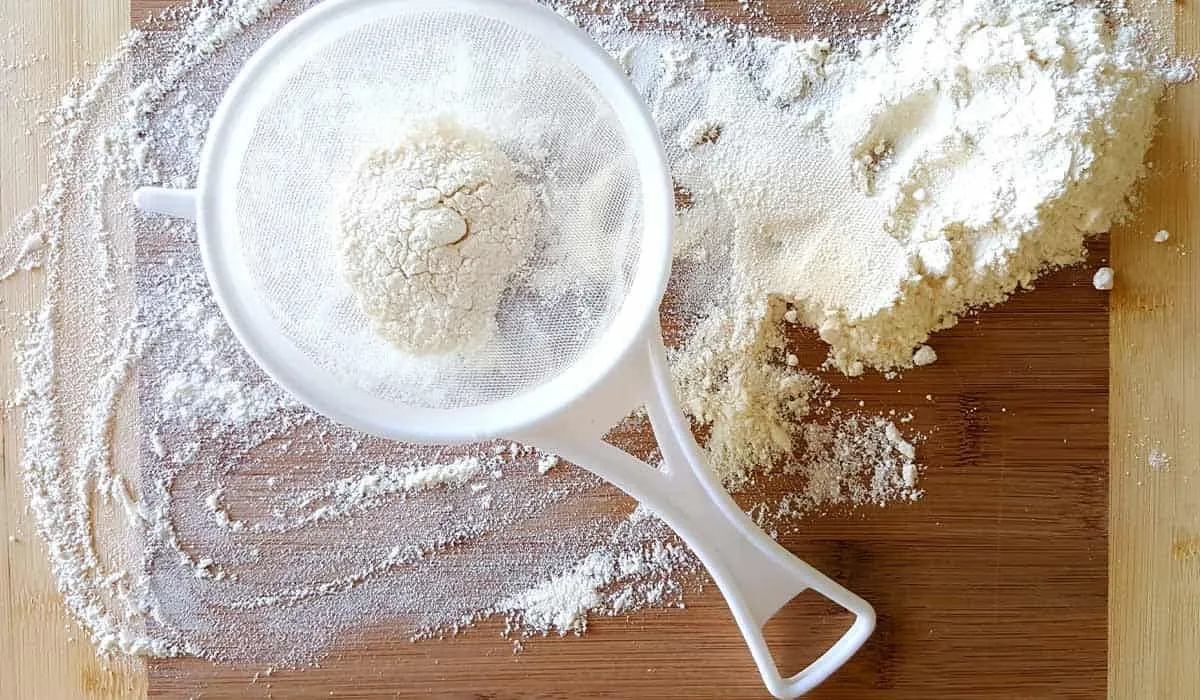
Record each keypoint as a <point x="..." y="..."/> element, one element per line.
<point x="994" y="585"/>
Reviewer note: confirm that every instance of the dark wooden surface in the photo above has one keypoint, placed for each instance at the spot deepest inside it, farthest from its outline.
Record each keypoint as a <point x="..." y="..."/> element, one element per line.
<point x="993" y="585"/>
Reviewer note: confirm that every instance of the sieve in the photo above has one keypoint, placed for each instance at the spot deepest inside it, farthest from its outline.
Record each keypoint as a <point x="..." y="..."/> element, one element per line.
<point x="570" y="358"/>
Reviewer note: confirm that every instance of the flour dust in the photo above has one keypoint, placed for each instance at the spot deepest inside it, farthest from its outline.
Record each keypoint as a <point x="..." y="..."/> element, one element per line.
<point x="189" y="506"/>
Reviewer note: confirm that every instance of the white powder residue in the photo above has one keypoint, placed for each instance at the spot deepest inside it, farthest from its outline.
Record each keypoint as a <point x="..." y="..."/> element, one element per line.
<point x="431" y="230"/>
<point x="677" y="64"/>
<point x="897" y="439"/>
<point x="220" y="512"/>
<point x="562" y="602"/>
<point x="699" y="132"/>
<point x="345" y="495"/>
<point x="864" y="219"/>
<point x="753" y="405"/>
<point x="77" y="363"/>
<point x="794" y="68"/>
<point x="614" y="578"/>
<point x="546" y="463"/>
<point x="624" y="58"/>
<point x="847" y="459"/>
<point x="1162" y="236"/>
<point x="203" y="384"/>
<point x="979" y="197"/>
<point x="190" y="506"/>
<point x="1103" y="279"/>
<point x="877" y="230"/>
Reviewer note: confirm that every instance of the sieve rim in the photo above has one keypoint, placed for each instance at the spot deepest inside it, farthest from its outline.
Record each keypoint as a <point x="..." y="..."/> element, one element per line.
<point x="302" y="377"/>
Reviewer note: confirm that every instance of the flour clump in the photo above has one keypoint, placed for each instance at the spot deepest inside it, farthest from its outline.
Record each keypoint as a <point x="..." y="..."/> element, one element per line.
<point x="431" y="230"/>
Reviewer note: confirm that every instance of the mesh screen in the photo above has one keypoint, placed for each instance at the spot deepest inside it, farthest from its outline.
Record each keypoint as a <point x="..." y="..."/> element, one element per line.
<point x="350" y="96"/>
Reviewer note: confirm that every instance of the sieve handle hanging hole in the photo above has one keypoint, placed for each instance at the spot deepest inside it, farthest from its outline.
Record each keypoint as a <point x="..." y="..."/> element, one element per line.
<point x="169" y="202"/>
<point x="757" y="576"/>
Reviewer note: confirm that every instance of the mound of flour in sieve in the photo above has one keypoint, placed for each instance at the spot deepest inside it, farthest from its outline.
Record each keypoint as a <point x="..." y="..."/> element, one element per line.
<point x="431" y="229"/>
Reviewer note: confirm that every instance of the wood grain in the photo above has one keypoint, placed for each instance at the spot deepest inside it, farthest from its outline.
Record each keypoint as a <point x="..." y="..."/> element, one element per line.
<point x="994" y="585"/>
<point x="42" y="46"/>
<point x="1155" y="514"/>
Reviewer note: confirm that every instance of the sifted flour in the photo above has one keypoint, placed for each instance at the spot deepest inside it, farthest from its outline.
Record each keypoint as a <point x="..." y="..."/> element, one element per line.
<point x="239" y="525"/>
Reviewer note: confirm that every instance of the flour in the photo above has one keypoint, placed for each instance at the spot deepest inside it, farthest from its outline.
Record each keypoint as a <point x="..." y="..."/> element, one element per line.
<point x="753" y="405"/>
<point x="677" y="62"/>
<point x="923" y="356"/>
<point x="203" y="384"/>
<point x="699" y="132"/>
<point x="938" y="100"/>
<point x="431" y="229"/>
<point x="563" y="602"/>
<point x="888" y="236"/>
<point x="864" y="219"/>
<point x="345" y="495"/>
<point x="795" y="67"/>
<point x="239" y="525"/>
<point x="75" y="378"/>
<point x="546" y="463"/>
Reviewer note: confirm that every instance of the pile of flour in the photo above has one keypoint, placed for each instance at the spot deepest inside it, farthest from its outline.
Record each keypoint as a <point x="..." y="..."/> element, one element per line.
<point x="821" y="183"/>
<point x="910" y="178"/>
<point x="986" y="141"/>
<point x="430" y="231"/>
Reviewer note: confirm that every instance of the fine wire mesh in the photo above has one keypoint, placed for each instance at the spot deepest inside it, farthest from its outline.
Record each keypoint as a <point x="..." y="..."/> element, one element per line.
<point x="354" y="94"/>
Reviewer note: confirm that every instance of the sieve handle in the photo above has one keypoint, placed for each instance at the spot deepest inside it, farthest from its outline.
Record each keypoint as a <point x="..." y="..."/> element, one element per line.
<point x="756" y="575"/>
<point x="170" y="202"/>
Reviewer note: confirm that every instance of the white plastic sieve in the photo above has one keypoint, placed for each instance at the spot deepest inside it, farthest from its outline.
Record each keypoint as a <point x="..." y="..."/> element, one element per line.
<point x="564" y="368"/>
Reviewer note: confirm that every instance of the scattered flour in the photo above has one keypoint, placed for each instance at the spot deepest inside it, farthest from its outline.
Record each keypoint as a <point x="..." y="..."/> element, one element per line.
<point x="546" y="463"/>
<point x="830" y="187"/>
<point x="699" y="132"/>
<point x="563" y="602"/>
<point x="340" y="497"/>
<point x="677" y="61"/>
<point x="794" y="68"/>
<point x="75" y="378"/>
